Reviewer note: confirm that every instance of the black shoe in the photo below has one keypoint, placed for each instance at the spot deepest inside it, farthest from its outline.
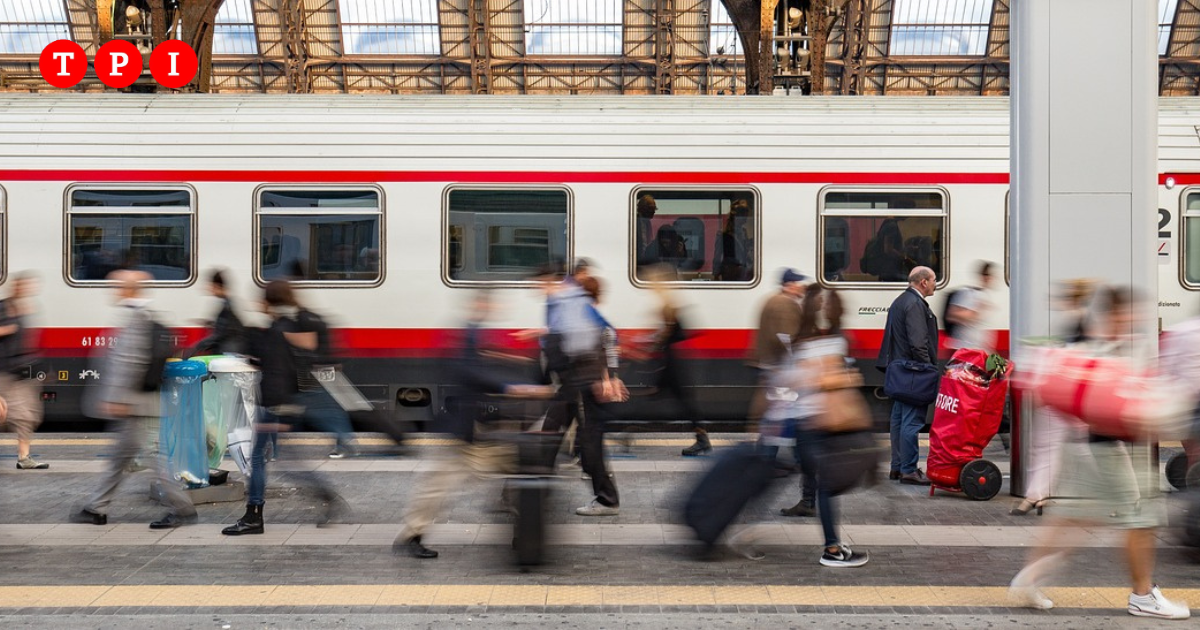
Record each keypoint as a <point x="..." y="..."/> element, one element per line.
<point x="251" y="523"/>
<point x="417" y="550"/>
<point x="894" y="475"/>
<point x="171" y="521"/>
<point x="90" y="517"/>
<point x="803" y="508"/>
<point x="699" y="447"/>
<point x="915" y="478"/>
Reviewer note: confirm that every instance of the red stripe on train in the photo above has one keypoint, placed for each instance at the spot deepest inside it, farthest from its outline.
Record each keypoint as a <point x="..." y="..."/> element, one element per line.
<point x="501" y="177"/>
<point x="1183" y="179"/>
<point x="440" y="342"/>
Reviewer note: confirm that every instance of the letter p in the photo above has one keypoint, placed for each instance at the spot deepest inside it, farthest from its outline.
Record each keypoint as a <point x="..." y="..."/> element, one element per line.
<point x="117" y="65"/>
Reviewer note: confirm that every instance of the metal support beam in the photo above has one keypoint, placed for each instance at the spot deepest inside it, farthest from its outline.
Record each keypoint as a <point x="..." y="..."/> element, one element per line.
<point x="664" y="46"/>
<point x="479" y="18"/>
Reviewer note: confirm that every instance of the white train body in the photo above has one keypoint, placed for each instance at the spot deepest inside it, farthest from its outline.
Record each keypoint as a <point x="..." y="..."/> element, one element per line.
<point x="787" y="156"/>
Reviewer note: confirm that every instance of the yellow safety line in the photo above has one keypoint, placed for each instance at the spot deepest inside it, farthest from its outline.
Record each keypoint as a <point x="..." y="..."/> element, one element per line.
<point x="500" y="595"/>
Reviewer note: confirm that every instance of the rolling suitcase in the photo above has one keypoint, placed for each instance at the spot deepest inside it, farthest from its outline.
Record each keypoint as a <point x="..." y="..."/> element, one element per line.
<point x="739" y="475"/>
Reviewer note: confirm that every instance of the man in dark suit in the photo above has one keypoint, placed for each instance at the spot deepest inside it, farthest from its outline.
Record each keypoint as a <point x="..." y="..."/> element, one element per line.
<point x="911" y="334"/>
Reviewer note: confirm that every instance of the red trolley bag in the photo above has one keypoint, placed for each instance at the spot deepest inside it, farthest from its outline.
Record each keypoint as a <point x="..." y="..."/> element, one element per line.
<point x="967" y="415"/>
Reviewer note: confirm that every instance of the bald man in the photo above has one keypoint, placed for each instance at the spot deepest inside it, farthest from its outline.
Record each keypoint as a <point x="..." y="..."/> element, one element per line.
<point x="119" y="397"/>
<point x="911" y="334"/>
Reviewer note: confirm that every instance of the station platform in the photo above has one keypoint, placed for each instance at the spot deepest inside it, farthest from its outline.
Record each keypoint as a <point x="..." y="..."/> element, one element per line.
<point x="940" y="562"/>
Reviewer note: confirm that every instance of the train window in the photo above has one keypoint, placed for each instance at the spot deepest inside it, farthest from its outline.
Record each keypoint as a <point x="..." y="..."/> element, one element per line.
<point x="150" y="229"/>
<point x="320" y="235"/>
<point x="875" y="236"/>
<point x="1191" y="238"/>
<point x="695" y="236"/>
<point x="504" y="234"/>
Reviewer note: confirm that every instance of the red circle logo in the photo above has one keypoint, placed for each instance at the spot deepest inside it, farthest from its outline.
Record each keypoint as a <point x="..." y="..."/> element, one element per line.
<point x="63" y="63"/>
<point x="173" y="63"/>
<point x="118" y="64"/>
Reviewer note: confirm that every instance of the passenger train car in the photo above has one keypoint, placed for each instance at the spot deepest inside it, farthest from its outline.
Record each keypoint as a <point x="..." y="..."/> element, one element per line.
<point x="391" y="210"/>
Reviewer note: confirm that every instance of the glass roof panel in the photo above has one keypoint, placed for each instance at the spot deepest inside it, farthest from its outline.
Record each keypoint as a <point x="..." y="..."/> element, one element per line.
<point x="1166" y="16"/>
<point x="390" y="27"/>
<point x="27" y="26"/>
<point x="941" y="28"/>
<point x="574" y="27"/>
<point x="233" y="34"/>
<point x="723" y="36"/>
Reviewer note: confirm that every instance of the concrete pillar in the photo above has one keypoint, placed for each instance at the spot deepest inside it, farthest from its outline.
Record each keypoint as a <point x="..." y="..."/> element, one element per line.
<point x="1084" y="171"/>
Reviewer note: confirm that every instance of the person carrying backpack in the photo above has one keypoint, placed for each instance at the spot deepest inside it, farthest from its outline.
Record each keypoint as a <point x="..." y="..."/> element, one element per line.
<point x="964" y="313"/>
<point x="127" y="394"/>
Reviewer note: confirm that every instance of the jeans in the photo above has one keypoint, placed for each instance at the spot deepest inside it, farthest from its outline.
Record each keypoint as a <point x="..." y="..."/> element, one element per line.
<point x="591" y="448"/>
<point x="907" y="421"/>
<point x="808" y="444"/>
<point x="322" y="413"/>
<point x="256" y="492"/>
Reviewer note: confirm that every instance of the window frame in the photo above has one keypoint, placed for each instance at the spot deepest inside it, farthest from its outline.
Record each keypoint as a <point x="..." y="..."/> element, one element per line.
<point x="256" y="230"/>
<point x="444" y="238"/>
<point x="631" y="254"/>
<point x="1183" y="239"/>
<point x="193" y="241"/>
<point x="878" y="285"/>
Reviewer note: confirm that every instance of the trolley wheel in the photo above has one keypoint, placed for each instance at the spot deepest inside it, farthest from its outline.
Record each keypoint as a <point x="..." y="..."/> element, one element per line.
<point x="980" y="480"/>
<point x="1177" y="471"/>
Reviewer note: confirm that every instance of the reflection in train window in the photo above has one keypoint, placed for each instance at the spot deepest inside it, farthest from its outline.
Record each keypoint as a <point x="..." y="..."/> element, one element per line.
<point x="146" y="229"/>
<point x="504" y="234"/>
<point x="1191" y="238"/>
<point x="320" y="235"/>
<point x="695" y="235"/>
<point x="880" y="236"/>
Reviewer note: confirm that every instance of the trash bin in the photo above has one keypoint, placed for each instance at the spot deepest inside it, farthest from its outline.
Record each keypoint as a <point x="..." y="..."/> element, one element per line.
<point x="181" y="433"/>
<point x="230" y="406"/>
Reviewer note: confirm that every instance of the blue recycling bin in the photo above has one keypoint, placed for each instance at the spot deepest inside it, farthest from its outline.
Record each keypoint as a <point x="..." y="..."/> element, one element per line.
<point x="182" y="438"/>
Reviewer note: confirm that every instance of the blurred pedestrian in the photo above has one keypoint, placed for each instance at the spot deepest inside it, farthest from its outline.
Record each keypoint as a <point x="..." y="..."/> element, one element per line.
<point x="226" y="334"/>
<point x="673" y="378"/>
<point x="287" y="352"/>
<point x="778" y="325"/>
<point x="967" y="309"/>
<point x="911" y="334"/>
<point x="1110" y="480"/>
<point x="125" y="397"/>
<point x="1055" y="429"/>
<point x="18" y="358"/>
<point x="820" y="360"/>
<point x="477" y="454"/>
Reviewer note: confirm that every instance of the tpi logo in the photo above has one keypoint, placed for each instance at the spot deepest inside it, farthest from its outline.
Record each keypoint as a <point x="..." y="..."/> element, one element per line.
<point x="118" y="63"/>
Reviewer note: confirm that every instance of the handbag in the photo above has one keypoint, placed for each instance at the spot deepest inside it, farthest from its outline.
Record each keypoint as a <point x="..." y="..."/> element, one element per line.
<point x="844" y="408"/>
<point x="845" y="411"/>
<point x="912" y="382"/>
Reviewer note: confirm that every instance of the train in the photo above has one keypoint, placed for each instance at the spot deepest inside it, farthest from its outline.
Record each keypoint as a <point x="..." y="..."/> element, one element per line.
<point x="390" y="210"/>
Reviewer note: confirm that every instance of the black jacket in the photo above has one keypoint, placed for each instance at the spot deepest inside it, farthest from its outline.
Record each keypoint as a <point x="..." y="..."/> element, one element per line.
<point x="911" y="332"/>
<point x="228" y="335"/>
<point x="286" y="369"/>
<point x="16" y="353"/>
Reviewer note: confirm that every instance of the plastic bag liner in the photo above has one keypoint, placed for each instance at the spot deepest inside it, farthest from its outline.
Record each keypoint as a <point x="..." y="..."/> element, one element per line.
<point x="181" y="434"/>
<point x="967" y="414"/>
<point x="235" y="385"/>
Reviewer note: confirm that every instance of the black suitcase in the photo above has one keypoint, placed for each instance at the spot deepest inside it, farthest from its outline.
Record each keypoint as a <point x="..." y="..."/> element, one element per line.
<point x="740" y="474"/>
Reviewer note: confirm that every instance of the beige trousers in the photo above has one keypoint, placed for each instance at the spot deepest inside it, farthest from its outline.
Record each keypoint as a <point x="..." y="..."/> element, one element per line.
<point x="479" y="459"/>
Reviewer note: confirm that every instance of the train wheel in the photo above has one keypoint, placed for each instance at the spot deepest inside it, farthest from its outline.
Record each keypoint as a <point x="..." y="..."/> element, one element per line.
<point x="1193" y="476"/>
<point x="980" y="480"/>
<point x="1177" y="471"/>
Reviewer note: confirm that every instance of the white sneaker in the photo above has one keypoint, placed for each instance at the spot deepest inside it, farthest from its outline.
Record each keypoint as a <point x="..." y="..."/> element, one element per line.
<point x="596" y="508"/>
<point x="1155" y="605"/>
<point x="1023" y="592"/>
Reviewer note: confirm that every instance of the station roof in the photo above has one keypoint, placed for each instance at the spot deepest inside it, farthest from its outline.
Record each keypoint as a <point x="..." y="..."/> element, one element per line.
<point x="908" y="47"/>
